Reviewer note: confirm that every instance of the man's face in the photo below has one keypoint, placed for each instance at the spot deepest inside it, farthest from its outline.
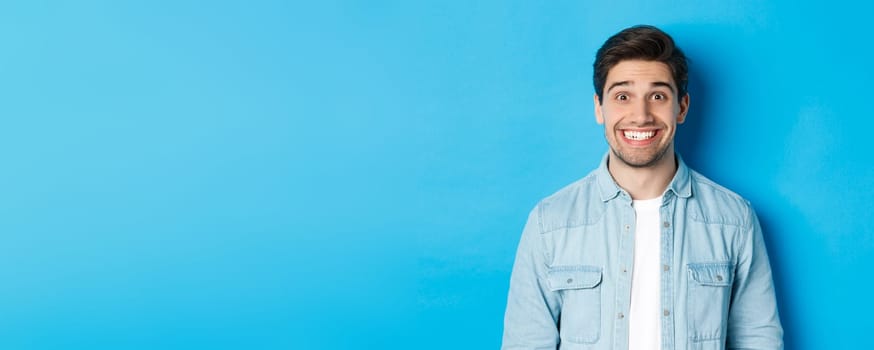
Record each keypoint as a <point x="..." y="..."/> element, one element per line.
<point x="640" y="111"/>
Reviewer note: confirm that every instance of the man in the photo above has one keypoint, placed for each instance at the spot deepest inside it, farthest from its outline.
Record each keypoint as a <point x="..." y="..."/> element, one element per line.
<point x="643" y="253"/>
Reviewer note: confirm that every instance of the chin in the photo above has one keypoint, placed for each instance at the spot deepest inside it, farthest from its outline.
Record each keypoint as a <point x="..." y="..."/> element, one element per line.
<point x="641" y="161"/>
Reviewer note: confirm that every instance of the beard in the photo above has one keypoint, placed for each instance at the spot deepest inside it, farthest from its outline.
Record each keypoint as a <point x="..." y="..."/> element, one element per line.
<point x="642" y="161"/>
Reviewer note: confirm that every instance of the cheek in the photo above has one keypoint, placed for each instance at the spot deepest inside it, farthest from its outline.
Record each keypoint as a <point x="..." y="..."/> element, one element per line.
<point x="614" y="109"/>
<point x="667" y="112"/>
<point x="612" y="113"/>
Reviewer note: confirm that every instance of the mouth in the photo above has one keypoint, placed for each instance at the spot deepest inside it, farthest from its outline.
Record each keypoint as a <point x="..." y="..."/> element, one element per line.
<point x="639" y="137"/>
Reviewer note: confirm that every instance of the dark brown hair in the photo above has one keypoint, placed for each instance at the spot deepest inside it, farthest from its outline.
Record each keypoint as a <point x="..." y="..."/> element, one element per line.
<point x="641" y="42"/>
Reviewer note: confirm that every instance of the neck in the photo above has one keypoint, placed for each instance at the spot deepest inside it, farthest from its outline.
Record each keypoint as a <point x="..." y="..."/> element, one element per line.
<point x="643" y="183"/>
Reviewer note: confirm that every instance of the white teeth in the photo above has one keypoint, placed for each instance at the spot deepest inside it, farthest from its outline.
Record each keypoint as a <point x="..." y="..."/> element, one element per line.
<point x="639" y="135"/>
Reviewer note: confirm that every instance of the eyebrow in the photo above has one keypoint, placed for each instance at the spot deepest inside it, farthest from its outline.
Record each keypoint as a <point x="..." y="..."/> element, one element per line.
<point x="665" y="84"/>
<point x="628" y="82"/>
<point x="618" y="83"/>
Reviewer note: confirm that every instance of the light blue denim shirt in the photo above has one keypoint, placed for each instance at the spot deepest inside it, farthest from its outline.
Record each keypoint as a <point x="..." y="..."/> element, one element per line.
<point x="571" y="282"/>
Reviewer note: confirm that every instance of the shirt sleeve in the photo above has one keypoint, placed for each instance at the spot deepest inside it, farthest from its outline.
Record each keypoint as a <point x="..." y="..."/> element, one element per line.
<point x="753" y="320"/>
<point x="530" y="321"/>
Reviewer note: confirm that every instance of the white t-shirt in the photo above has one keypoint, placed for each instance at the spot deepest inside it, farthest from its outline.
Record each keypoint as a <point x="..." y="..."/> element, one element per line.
<point x="644" y="316"/>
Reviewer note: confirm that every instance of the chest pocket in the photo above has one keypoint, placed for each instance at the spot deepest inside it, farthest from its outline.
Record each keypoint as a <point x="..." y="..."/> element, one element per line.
<point x="709" y="293"/>
<point x="580" y="290"/>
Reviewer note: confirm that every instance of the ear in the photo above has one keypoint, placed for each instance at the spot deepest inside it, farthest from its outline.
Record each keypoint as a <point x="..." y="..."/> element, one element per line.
<point x="598" y="116"/>
<point x="684" y="109"/>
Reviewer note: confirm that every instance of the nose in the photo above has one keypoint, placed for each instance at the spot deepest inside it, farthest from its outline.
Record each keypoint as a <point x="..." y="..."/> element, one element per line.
<point x="641" y="113"/>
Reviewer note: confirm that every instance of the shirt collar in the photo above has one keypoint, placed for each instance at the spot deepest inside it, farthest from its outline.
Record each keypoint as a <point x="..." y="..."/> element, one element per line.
<point x="681" y="184"/>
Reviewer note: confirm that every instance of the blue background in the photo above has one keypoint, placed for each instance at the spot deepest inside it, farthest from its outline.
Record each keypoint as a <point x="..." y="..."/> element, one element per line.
<point x="349" y="175"/>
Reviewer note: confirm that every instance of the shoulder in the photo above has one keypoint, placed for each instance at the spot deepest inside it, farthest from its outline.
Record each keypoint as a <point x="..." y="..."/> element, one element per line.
<point x="573" y="205"/>
<point x="718" y="204"/>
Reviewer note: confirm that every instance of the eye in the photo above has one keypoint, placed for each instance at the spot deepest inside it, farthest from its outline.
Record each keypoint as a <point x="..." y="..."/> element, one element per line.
<point x="622" y="96"/>
<point x="659" y="96"/>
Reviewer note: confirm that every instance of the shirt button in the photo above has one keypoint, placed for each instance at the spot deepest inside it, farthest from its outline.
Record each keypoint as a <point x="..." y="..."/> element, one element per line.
<point x="627" y="227"/>
<point x="570" y="280"/>
<point x="621" y="315"/>
<point x="624" y="270"/>
<point x="719" y="277"/>
<point x="666" y="267"/>
<point x="667" y="224"/>
<point x="667" y="313"/>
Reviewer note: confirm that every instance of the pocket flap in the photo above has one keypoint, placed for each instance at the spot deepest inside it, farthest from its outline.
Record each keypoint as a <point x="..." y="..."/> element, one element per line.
<point x="712" y="274"/>
<point x="573" y="277"/>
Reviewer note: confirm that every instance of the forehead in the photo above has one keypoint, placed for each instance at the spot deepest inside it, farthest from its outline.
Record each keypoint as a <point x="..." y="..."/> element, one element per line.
<point x="640" y="72"/>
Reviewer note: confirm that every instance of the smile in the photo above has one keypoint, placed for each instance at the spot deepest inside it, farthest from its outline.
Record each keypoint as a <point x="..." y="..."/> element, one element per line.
<point x="639" y="135"/>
